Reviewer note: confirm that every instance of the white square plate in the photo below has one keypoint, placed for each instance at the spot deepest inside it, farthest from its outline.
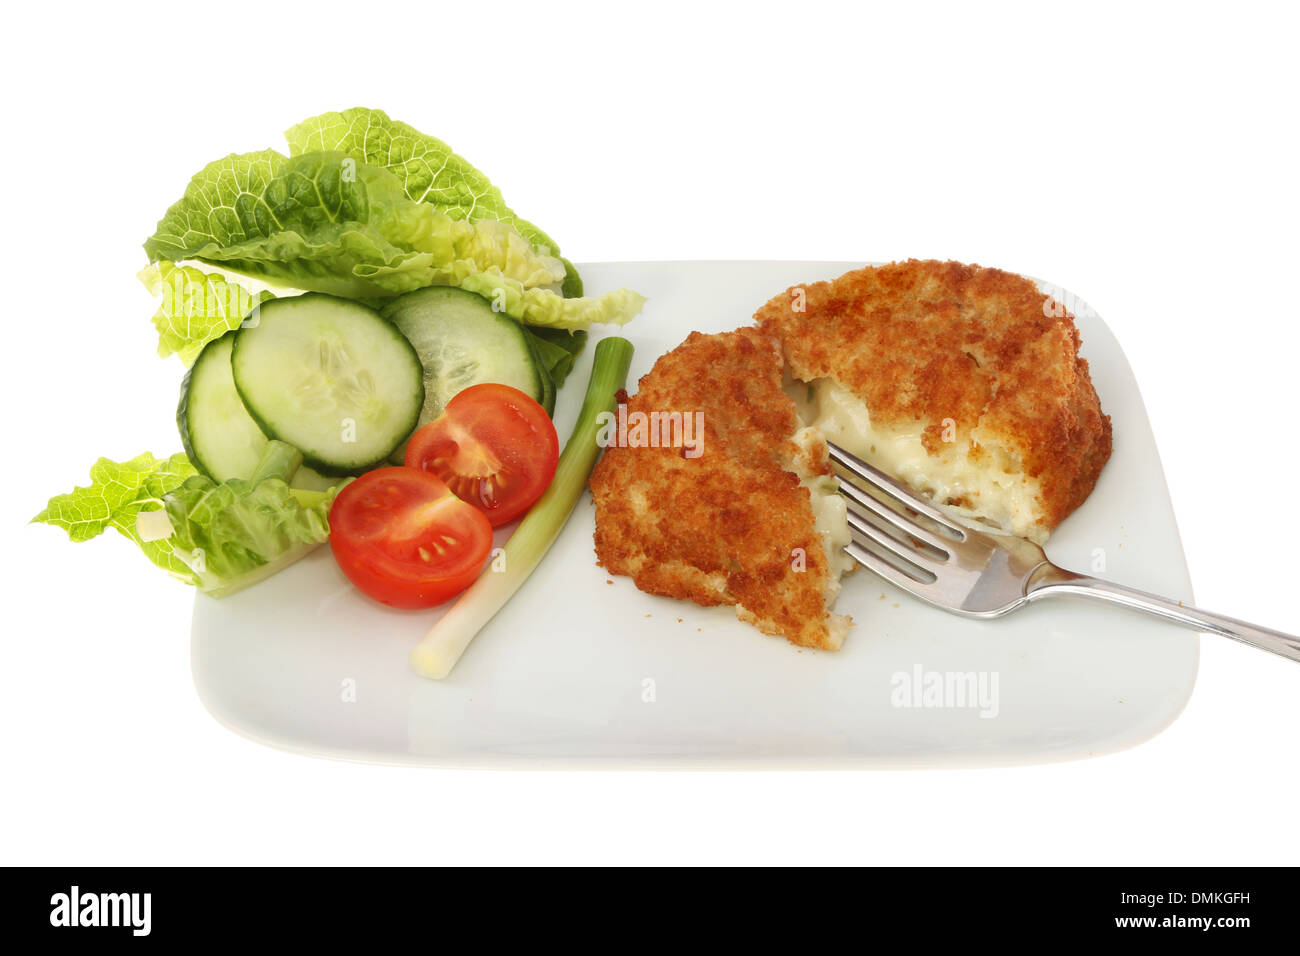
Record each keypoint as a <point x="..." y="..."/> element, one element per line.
<point x="579" y="672"/>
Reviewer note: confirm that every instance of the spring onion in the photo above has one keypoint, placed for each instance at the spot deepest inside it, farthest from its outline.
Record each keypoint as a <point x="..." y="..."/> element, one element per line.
<point x="440" y="649"/>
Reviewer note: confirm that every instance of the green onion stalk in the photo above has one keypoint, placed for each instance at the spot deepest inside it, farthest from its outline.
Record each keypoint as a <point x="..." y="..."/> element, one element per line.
<point x="440" y="649"/>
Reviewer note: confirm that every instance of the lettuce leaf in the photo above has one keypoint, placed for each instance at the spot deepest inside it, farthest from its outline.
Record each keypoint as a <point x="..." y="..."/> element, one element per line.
<point x="326" y="222"/>
<point x="235" y="533"/>
<point x="558" y="349"/>
<point x="222" y="536"/>
<point x="544" y="308"/>
<point x="426" y="167"/>
<point x="323" y="218"/>
<point x="197" y="307"/>
<point x="223" y="205"/>
<point x="118" y="492"/>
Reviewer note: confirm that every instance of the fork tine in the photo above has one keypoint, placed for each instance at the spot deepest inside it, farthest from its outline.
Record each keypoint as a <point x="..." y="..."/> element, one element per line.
<point x="882" y="482"/>
<point x="926" y="591"/>
<point x="880" y="510"/>
<point x="887" y="542"/>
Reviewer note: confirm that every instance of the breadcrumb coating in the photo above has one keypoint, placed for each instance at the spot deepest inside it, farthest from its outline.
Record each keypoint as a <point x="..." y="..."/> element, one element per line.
<point x="734" y="525"/>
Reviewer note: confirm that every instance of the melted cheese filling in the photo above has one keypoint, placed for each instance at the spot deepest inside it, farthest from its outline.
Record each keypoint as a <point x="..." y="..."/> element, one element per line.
<point x="830" y="519"/>
<point x="980" y="482"/>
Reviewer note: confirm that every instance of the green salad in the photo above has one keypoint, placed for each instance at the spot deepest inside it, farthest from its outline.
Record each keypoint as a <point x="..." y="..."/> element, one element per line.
<point x="327" y="302"/>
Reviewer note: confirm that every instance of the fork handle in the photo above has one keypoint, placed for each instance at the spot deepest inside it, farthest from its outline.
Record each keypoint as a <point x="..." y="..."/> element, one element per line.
<point x="1054" y="580"/>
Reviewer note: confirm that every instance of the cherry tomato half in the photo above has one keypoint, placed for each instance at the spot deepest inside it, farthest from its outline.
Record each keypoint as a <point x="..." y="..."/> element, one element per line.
<point x="404" y="539"/>
<point x="495" y="448"/>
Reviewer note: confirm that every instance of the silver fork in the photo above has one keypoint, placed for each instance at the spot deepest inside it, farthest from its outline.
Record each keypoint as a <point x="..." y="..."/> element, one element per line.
<point x="916" y="546"/>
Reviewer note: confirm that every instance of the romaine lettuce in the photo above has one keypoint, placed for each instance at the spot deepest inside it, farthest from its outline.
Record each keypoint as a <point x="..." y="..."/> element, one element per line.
<point x="558" y="349"/>
<point x="236" y="533"/>
<point x="426" y="167"/>
<point x="118" y="492"/>
<point x="196" y="308"/>
<point x="220" y="537"/>
<point x="324" y="222"/>
<point x="328" y="222"/>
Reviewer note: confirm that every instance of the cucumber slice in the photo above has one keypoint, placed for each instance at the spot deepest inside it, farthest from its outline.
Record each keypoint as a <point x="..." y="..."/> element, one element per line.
<point x="330" y="377"/>
<point x="461" y="342"/>
<point x="220" y="437"/>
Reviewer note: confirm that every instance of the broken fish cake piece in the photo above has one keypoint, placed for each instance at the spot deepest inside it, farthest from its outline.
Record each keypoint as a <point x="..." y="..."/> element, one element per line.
<point x="746" y="514"/>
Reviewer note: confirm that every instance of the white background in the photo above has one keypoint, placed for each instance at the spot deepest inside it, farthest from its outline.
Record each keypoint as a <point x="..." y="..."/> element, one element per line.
<point x="1143" y="157"/>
